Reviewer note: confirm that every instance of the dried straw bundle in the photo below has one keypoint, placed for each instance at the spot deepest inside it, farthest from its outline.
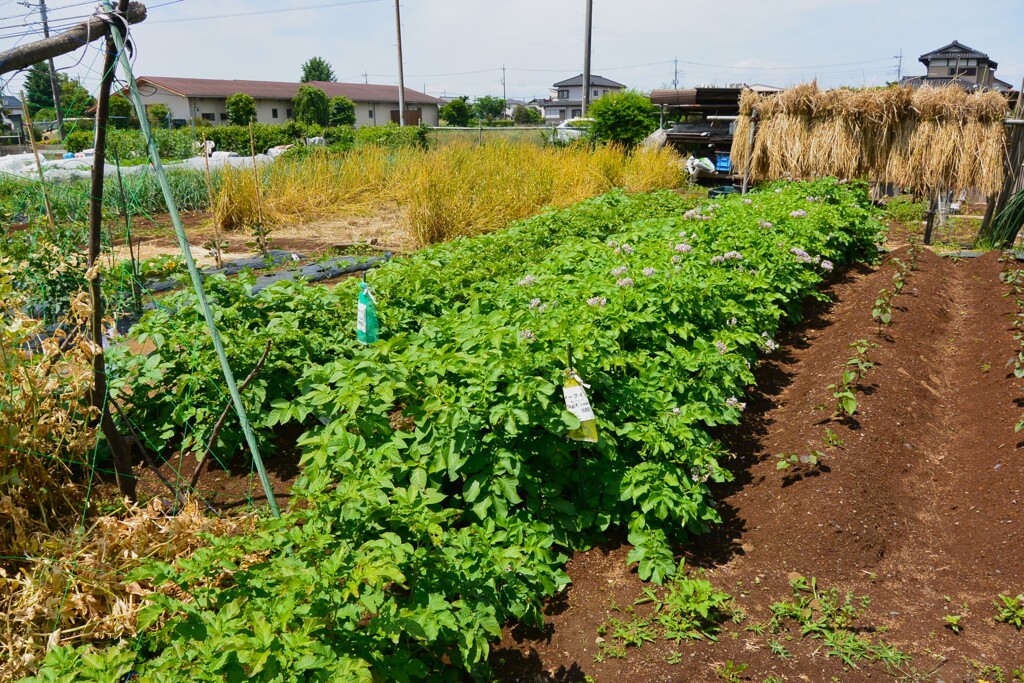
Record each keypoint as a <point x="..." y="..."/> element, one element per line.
<point x="921" y="139"/>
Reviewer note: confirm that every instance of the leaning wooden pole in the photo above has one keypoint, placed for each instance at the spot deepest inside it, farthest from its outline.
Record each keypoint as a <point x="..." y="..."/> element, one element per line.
<point x="197" y="282"/>
<point x="120" y="448"/>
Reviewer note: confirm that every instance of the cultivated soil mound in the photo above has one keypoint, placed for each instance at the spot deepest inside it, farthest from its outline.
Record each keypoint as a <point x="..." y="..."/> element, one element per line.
<point x="918" y="509"/>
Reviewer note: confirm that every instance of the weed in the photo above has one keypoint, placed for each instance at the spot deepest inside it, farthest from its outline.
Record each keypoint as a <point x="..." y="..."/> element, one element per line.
<point x="778" y="649"/>
<point x="1011" y="611"/>
<point x="832" y="440"/>
<point x="674" y="657"/>
<point x="731" y="672"/>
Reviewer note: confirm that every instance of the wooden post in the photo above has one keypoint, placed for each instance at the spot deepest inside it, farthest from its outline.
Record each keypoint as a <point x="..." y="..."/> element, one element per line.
<point x="931" y="219"/>
<point x="119" y="446"/>
<point x="750" y="152"/>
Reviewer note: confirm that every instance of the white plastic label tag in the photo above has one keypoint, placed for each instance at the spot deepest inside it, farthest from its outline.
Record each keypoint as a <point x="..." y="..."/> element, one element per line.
<point x="576" y="402"/>
<point x="361" y="318"/>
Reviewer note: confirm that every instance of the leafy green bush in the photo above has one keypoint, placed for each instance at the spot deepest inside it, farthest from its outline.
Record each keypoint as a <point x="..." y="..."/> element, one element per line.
<point x="236" y="138"/>
<point x="78" y="140"/>
<point x="342" y="111"/>
<point x="241" y="109"/>
<point x="624" y="117"/>
<point x="458" y="112"/>
<point x="904" y="209"/>
<point x="392" y="135"/>
<point x="311" y="105"/>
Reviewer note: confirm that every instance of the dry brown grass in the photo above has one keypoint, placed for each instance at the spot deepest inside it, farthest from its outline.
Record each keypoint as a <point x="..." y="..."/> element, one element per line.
<point x="920" y="139"/>
<point x="452" y="190"/>
<point x="71" y="589"/>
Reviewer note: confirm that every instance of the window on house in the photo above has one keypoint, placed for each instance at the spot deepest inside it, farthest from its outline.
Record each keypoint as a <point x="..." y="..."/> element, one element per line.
<point x="577" y="113"/>
<point x="963" y="71"/>
<point x="596" y="93"/>
<point x="604" y="92"/>
<point x="289" y="113"/>
<point x="370" y="113"/>
<point x="563" y="94"/>
<point x="209" y="117"/>
<point x="273" y="113"/>
<point x="223" y="117"/>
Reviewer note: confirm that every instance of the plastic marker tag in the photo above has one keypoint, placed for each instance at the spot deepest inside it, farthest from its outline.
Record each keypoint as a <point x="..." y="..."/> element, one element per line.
<point x="367" y="323"/>
<point x="577" y="403"/>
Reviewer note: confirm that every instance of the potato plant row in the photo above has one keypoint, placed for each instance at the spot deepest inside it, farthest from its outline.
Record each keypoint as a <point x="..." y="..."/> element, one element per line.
<point x="440" y="496"/>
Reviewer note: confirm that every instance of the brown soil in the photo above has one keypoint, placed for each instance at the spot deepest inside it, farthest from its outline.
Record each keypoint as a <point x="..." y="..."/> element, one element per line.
<point x="919" y="509"/>
<point x="383" y="229"/>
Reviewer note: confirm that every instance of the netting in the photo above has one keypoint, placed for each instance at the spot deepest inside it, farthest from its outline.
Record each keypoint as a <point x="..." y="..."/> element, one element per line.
<point x="67" y="538"/>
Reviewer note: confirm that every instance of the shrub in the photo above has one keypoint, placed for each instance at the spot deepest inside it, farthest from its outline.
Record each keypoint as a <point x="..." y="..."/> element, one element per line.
<point x="457" y="112"/>
<point x="236" y="138"/>
<point x="904" y="209"/>
<point x="343" y="111"/>
<point x="489" y="107"/>
<point x="625" y="117"/>
<point x="393" y="135"/>
<point x="311" y="105"/>
<point x="525" y="115"/>
<point x="78" y="140"/>
<point x="241" y="109"/>
<point x="159" y="115"/>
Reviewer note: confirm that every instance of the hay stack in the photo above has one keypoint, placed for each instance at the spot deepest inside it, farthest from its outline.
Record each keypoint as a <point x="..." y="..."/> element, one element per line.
<point x="920" y="139"/>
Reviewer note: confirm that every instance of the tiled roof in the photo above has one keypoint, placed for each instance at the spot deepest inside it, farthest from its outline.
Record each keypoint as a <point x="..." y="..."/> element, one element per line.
<point x="599" y="81"/>
<point x="277" y="90"/>
<point x="10" y="102"/>
<point x="952" y="51"/>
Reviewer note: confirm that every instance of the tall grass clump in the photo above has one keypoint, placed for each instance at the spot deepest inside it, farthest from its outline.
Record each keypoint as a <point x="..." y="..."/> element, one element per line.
<point x="449" y="191"/>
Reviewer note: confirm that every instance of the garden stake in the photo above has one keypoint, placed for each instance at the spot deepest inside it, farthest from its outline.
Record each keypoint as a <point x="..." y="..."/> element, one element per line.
<point x="197" y="283"/>
<point x="120" y="447"/>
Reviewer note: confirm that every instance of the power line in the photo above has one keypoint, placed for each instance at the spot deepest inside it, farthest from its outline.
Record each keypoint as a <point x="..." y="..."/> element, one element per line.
<point x="212" y="17"/>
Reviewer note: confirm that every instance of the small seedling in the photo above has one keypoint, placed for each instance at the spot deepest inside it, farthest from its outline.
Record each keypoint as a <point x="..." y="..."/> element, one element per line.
<point x="832" y="440"/>
<point x="953" y="622"/>
<point x="731" y="672"/>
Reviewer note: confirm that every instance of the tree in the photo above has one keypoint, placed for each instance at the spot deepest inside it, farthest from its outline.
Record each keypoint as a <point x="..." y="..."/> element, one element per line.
<point x="457" y="112"/>
<point x="489" y="107"/>
<point x="525" y="115"/>
<point x="626" y="117"/>
<point x="241" y="109"/>
<point x="122" y="113"/>
<point x="317" y="69"/>
<point x="38" y="93"/>
<point x="342" y="111"/>
<point x="311" y="105"/>
<point x="75" y="100"/>
<point x="158" y="114"/>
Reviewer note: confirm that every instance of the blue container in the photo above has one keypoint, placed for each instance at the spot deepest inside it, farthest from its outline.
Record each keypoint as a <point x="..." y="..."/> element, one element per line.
<point x="722" y="162"/>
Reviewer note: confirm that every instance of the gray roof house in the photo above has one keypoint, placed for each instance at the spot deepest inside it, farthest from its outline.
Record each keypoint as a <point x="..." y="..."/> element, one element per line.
<point x="566" y="101"/>
<point x="959" y="64"/>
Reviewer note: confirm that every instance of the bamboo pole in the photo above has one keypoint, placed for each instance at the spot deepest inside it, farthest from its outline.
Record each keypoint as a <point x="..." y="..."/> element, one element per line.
<point x="39" y="164"/>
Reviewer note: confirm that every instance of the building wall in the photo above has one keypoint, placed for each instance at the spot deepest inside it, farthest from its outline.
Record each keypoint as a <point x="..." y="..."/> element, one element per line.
<point x="214" y="109"/>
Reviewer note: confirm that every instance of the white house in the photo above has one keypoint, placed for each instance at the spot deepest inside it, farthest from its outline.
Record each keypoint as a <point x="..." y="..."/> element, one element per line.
<point x="566" y="101"/>
<point x="204" y="98"/>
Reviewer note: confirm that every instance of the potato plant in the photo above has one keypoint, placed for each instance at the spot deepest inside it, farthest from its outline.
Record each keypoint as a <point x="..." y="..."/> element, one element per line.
<point x="440" y="497"/>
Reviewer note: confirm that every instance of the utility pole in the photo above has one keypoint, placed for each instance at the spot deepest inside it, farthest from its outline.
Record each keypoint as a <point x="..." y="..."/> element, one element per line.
<point x="366" y="78"/>
<point x="675" y="74"/>
<point x="54" y="86"/>
<point x="586" y="58"/>
<point x="504" y="92"/>
<point x="899" y="66"/>
<point x="401" y="72"/>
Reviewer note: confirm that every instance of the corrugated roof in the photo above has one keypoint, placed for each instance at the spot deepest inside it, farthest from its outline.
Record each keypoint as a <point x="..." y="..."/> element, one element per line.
<point x="594" y="80"/>
<point x="8" y="101"/>
<point x="277" y="90"/>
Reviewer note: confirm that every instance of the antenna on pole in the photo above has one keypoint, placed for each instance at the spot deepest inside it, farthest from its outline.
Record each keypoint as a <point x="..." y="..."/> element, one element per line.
<point x="401" y="72"/>
<point x="586" y="58"/>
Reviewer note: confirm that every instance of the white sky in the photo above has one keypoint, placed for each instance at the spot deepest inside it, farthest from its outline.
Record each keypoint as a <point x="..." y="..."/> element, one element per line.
<point x="458" y="47"/>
